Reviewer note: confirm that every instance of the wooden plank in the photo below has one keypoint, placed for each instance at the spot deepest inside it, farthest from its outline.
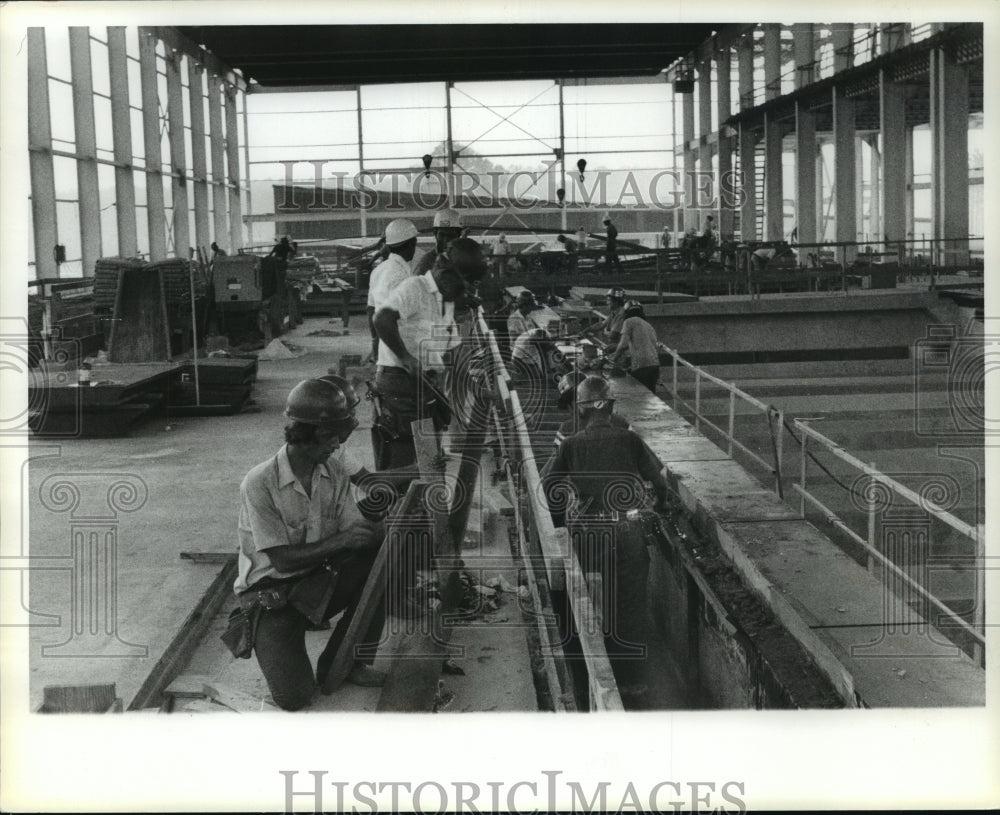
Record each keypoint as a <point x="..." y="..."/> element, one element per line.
<point x="412" y="682"/>
<point x="178" y="652"/>
<point x="372" y="594"/>
<point x="220" y="558"/>
<point x="85" y="698"/>
<point x="604" y="694"/>
<point x="235" y="699"/>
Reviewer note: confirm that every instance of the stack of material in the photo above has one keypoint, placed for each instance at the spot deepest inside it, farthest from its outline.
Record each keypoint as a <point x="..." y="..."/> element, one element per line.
<point x="106" y="272"/>
<point x="176" y="274"/>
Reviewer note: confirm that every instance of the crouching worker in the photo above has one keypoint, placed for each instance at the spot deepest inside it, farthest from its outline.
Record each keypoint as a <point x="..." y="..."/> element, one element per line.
<point x="305" y="550"/>
<point x="605" y="465"/>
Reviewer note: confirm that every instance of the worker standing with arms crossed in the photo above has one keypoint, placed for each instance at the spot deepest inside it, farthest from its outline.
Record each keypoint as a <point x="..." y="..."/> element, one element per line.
<point x="401" y="240"/>
<point x="416" y="327"/>
<point x="611" y="247"/>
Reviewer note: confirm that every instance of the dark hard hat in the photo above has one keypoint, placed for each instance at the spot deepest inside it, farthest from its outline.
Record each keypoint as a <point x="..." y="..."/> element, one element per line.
<point x="633" y="308"/>
<point x="567" y="387"/>
<point x="322" y="401"/>
<point x="594" y="391"/>
<point x="525" y="296"/>
<point x="616" y="294"/>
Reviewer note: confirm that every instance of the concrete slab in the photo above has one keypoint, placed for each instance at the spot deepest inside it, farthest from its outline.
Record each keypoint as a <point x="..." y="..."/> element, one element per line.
<point x="683" y="447"/>
<point x="721" y="491"/>
<point x="837" y="608"/>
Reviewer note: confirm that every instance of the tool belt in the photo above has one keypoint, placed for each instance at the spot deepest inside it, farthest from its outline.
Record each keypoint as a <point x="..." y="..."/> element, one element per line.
<point x="309" y="594"/>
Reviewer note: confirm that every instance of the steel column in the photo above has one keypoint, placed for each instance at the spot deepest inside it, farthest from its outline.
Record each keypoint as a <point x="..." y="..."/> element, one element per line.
<point x="233" y="169"/>
<point x="218" y="156"/>
<point x="844" y="193"/>
<point x="562" y="156"/>
<point x="841" y="35"/>
<point x="744" y="57"/>
<point x="804" y="47"/>
<point x="726" y="189"/>
<point x="361" y="160"/>
<point x="199" y="163"/>
<point x="88" y="186"/>
<point x="121" y="126"/>
<point x="43" y="179"/>
<point x="178" y="158"/>
<point x="772" y="61"/>
<point x="687" y="131"/>
<point x="805" y="173"/>
<point x="748" y="212"/>
<point x="949" y="97"/>
<point x="892" y="122"/>
<point x="450" y="147"/>
<point x="151" y="141"/>
<point x="774" y="217"/>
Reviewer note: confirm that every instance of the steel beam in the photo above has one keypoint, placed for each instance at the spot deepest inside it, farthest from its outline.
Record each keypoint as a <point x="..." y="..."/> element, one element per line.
<point x="43" y="179"/>
<point x="88" y="187"/>
<point x="844" y="193"/>
<point x="233" y="168"/>
<point x="121" y="126"/>
<point x="151" y="140"/>
<point x="704" y="99"/>
<point x="361" y="160"/>
<point x="217" y="149"/>
<point x="178" y="158"/>
<point x="949" y="97"/>
<point x="199" y="163"/>
<point x="805" y="173"/>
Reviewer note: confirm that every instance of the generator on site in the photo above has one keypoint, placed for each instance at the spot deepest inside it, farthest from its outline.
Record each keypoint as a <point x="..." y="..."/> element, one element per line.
<point x="238" y="283"/>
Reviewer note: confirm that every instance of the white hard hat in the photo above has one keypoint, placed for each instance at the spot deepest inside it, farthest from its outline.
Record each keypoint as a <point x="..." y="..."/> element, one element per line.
<point x="447" y="218"/>
<point x="399" y="231"/>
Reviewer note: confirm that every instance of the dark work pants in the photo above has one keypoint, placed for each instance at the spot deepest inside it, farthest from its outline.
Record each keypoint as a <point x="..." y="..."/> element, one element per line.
<point x="647" y="376"/>
<point x="280" y="641"/>
<point x="613" y="261"/>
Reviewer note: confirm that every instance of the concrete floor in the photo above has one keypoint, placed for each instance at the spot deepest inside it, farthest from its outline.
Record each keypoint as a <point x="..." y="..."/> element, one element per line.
<point x="188" y="470"/>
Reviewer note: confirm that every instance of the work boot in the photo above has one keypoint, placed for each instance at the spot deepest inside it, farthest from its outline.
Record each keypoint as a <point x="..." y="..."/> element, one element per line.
<point x="366" y="676"/>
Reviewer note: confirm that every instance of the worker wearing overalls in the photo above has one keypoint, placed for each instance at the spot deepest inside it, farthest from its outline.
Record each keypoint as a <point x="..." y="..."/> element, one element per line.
<point x="605" y="466"/>
<point x="416" y="329"/>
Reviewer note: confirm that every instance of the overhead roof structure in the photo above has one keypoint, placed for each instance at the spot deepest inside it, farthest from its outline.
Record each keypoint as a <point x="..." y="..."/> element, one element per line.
<point x="314" y="55"/>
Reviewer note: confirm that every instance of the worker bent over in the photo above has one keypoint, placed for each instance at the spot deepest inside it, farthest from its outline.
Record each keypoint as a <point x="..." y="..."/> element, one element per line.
<point x="416" y="328"/>
<point x="305" y="550"/>
<point x="605" y="466"/>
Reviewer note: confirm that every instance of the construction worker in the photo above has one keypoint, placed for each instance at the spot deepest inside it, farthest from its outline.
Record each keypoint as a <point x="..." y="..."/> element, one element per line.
<point x="638" y="340"/>
<point x="416" y="327"/>
<point x="611" y="246"/>
<point x="610" y="328"/>
<point x="604" y="466"/>
<point x="520" y="319"/>
<point x="501" y="254"/>
<point x="447" y="227"/>
<point x="567" y="401"/>
<point x="572" y="252"/>
<point x="305" y="550"/>
<point x="401" y="241"/>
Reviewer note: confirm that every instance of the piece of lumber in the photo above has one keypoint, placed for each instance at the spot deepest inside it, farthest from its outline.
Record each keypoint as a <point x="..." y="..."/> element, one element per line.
<point x="236" y="699"/>
<point x="220" y="558"/>
<point x="188" y="686"/>
<point x="372" y="594"/>
<point x="178" y="652"/>
<point x="84" y="698"/>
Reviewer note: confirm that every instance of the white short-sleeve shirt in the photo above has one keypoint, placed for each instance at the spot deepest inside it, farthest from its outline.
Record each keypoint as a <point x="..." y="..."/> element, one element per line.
<point x="387" y="275"/>
<point x="426" y="322"/>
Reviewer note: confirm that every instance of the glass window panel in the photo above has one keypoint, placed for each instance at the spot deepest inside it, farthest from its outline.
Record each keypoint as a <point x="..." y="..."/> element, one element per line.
<point x="68" y="234"/>
<point x="102" y="123"/>
<point x="61" y="115"/>
<point x="99" y="69"/>
<point x="57" y="52"/>
<point x="138" y="142"/>
<point x="109" y="210"/>
<point x="64" y="170"/>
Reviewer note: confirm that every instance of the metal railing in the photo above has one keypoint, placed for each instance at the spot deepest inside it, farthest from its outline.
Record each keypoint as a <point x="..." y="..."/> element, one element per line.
<point x="976" y="630"/>
<point x="775" y="417"/>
